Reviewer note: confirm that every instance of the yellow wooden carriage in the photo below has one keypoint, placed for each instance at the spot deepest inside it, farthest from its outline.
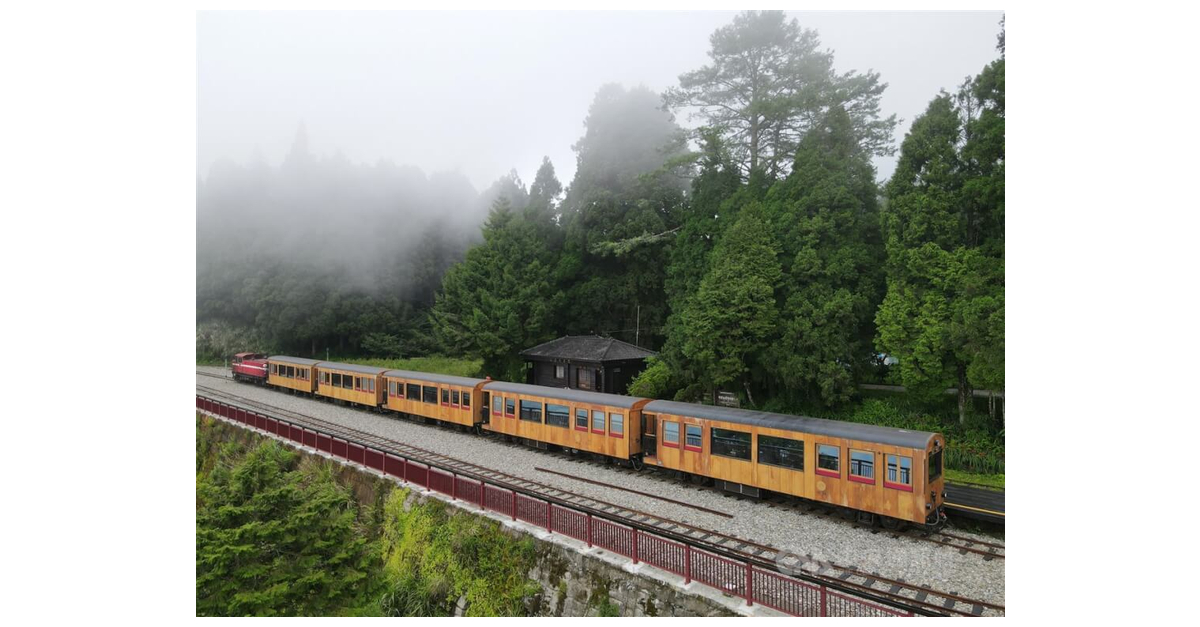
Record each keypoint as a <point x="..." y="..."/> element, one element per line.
<point x="293" y="373"/>
<point x="362" y="385"/>
<point x="457" y="400"/>
<point x="893" y="473"/>
<point x="605" y="424"/>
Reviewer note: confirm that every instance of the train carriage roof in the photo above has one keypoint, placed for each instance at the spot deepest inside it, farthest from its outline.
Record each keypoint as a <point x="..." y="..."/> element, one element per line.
<point x="333" y="365"/>
<point x="564" y="394"/>
<point x="805" y="424"/>
<point x="299" y="361"/>
<point x="433" y="378"/>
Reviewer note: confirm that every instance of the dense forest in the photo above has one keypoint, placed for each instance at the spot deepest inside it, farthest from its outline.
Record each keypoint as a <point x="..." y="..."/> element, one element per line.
<point x="753" y="247"/>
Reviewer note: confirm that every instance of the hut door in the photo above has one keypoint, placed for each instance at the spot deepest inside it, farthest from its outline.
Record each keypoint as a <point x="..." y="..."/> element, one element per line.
<point x="650" y="435"/>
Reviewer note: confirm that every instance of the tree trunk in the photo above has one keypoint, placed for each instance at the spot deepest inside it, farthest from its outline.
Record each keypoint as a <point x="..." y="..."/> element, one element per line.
<point x="964" y="394"/>
<point x="749" y="396"/>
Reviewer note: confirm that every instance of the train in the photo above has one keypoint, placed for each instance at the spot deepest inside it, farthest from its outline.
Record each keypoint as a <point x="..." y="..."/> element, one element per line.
<point x="871" y="474"/>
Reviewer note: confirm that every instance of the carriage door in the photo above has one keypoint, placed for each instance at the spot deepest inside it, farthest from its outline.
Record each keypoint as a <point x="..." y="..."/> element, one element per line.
<point x="650" y="435"/>
<point x="485" y="408"/>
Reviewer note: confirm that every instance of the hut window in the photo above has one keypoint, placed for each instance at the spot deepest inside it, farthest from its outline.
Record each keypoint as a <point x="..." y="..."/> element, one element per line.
<point x="560" y="372"/>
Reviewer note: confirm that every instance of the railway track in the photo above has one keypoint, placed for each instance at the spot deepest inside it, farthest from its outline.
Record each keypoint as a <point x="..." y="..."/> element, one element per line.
<point x="867" y="585"/>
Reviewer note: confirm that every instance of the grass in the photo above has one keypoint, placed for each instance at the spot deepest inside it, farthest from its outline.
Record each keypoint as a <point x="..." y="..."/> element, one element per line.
<point x="436" y="365"/>
<point x="960" y="476"/>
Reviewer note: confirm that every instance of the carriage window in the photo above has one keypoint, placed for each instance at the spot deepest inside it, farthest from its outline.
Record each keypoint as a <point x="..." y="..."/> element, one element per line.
<point x="671" y="433"/>
<point x="581" y="419"/>
<point x="616" y="424"/>
<point x="862" y="465"/>
<point x="391" y="388"/>
<point x="445" y="397"/>
<point x="428" y="394"/>
<point x="783" y="452"/>
<point x="414" y="392"/>
<point x="935" y="465"/>
<point x="558" y="415"/>
<point x="466" y="400"/>
<point x="899" y="470"/>
<point x="727" y="443"/>
<point x="453" y="397"/>
<point x="497" y="405"/>
<point x="337" y="380"/>
<point x="274" y="369"/>
<point x="510" y="407"/>
<point x="828" y="458"/>
<point x="399" y="389"/>
<point x="531" y="411"/>
<point x="692" y="437"/>
<point x="598" y="420"/>
<point x="372" y="382"/>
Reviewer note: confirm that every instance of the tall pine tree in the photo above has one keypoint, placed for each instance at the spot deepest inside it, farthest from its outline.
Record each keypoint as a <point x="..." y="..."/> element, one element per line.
<point x="826" y="216"/>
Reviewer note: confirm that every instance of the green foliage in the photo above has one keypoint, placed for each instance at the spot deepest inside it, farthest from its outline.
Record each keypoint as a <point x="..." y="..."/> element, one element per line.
<point x="454" y="366"/>
<point x="768" y="83"/>
<point x="726" y="324"/>
<point x="432" y="559"/>
<point x="502" y="297"/>
<point x="275" y="538"/>
<point x="826" y="216"/>
<point x="621" y="208"/>
<point x="943" y="316"/>
<point x="653" y="382"/>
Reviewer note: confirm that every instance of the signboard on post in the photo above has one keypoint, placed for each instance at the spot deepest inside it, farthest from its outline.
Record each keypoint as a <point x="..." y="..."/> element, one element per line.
<point x="727" y="399"/>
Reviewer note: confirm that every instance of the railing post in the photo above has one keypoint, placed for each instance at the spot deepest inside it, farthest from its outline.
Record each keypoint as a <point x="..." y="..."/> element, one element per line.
<point x="454" y="487"/>
<point x="589" y="531"/>
<point x="549" y="517"/>
<point x="635" y="548"/>
<point x="687" y="564"/>
<point x="749" y="584"/>
<point x="824" y="602"/>
<point x="482" y="495"/>
<point x="514" y="504"/>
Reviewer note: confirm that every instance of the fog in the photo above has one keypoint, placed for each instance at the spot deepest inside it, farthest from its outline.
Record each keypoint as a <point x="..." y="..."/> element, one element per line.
<point x="484" y="93"/>
<point x="346" y="160"/>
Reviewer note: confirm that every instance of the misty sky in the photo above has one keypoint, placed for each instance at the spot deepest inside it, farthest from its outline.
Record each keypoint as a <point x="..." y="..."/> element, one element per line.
<point x="482" y="93"/>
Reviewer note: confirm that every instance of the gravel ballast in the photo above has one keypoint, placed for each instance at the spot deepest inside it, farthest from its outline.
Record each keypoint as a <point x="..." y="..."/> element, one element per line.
<point x="916" y="562"/>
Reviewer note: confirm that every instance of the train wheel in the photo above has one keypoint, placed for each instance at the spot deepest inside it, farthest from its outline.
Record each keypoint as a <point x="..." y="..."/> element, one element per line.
<point x="891" y="524"/>
<point x="637" y="463"/>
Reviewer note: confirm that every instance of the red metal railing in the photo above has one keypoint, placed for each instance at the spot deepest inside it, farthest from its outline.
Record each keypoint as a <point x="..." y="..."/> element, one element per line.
<point x="735" y="578"/>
